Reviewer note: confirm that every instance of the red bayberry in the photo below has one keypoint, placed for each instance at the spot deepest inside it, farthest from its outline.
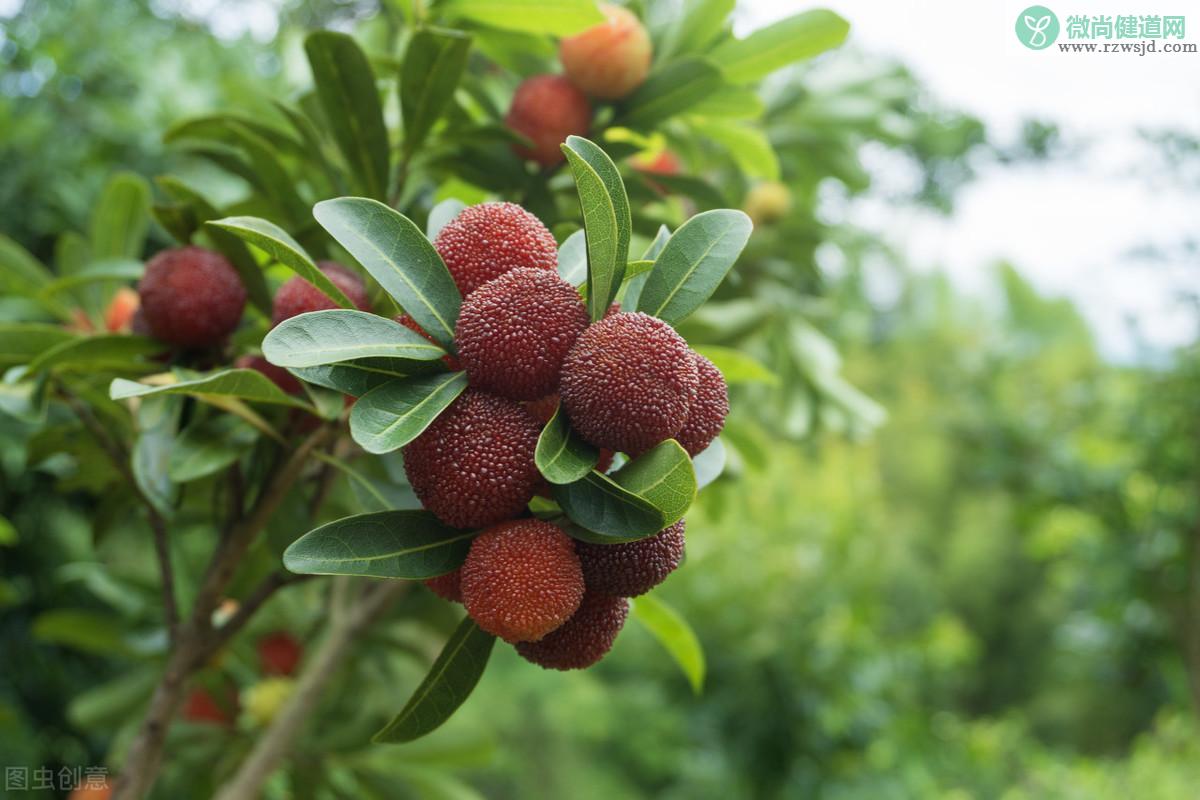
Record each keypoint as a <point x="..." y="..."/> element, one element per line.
<point x="706" y="416"/>
<point x="582" y="640"/>
<point x="279" y="653"/>
<point x="448" y="586"/>
<point x="201" y="706"/>
<point x="521" y="579"/>
<point x="546" y="109"/>
<point x="629" y="569"/>
<point x="514" y="332"/>
<point x="191" y="297"/>
<point x="298" y="296"/>
<point x="611" y="59"/>
<point x="628" y="382"/>
<point x="485" y="241"/>
<point x="474" y="465"/>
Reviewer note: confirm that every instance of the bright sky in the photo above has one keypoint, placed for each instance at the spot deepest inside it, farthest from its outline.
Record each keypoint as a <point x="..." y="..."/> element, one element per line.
<point x="1068" y="226"/>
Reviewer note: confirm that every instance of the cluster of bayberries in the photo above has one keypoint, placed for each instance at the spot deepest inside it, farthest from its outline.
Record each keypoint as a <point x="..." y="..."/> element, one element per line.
<point x="525" y="341"/>
<point x="606" y="61"/>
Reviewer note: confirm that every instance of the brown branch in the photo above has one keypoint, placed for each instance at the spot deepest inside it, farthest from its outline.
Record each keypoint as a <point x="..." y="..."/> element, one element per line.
<point x="265" y="590"/>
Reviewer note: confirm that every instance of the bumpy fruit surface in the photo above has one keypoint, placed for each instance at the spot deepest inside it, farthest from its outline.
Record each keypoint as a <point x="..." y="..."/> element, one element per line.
<point x="191" y="297"/>
<point x="474" y="465"/>
<point x="628" y="382"/>
<point x="118" y="316"/>
<point x="298" y="296"/>
<point x="279" y="653"/>
<point x="706" y="416"/>
<point x="768" y="202"/>
<point x="521" y="580"/>
<point x="278" y="375"/>
<point x="582" y="640"/>
<point x="546" y="109"/>
<point x="514" y="332"/>
<point x="486" y="241"/>
<point x="611" y="59"/>
<point x="630" y="569"/>
<point x="448" y="586"/>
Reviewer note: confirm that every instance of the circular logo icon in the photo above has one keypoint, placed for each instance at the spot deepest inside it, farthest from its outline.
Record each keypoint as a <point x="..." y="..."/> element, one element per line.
<point x="1037" y="27"/>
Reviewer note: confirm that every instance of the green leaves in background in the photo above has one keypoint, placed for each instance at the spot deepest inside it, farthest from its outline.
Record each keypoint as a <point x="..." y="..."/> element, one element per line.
<point x="21" y="342"/>
<point x="572" y="259"/>
<point x="96" y="353"/>
<point x="388" y="544"/>
<point x="606" y="220"/>
<point x="433" y="64"/>
<point x="243" y="384"/>
<point x="208" y="447"/>
<point x="561" y="456"/>
<point x="736" y="366"/>
<point x="329" y="337"/>
<point x="450" y="681"/>
<point x="392" y="415"/>
<point x="646" y="495"/>
<point x="676" y="88"/>
<point x="20" y="272"/>
<point x="397" y="254"/>
<point x="120" y="219"/>
<point x="346" y="88"/>
<point x="709" y="463"/>
<point x="278" y="243"/>
<point x="693" y="263"/>
<point x="440" y="214"/>
<point x="560" y="18"/>
<point x="674" y="634"/>
<point x="747" y="144"/>
<point x="779" y="44"/>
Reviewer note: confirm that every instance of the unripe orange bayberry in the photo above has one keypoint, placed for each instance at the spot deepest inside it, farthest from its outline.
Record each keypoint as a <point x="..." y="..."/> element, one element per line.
<point x="92" y="789"/>
<point x="473" y="466"/>
<point x="118" y="316"/>
<point x="279" y="653"/>
<point x="278" y="375"/>
<point x="628" y="382"/>
<point x="629" y="569"/>
<point x="485" y="241"/>
<point x="582" y="640"/>
<point x="298" y="296"/>
<point x="191" y="297"/>
<point x="514" y="332"/>
<point x="768" y="202"/>
<point x="706" y="416"/>
<point x="407" y="321"/>
<point x="448" y="586"/>
<point x="521" y="580"/>
<point x="611" y="59"/>
<point x="546" y="109"/>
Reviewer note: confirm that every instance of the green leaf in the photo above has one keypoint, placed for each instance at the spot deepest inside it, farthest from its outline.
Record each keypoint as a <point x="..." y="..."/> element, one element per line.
<point x="747" y="144"/>
<point x="277" y="243"/>
<point x="664" y="477"/>
<point x="736" y="366"/>
<point x="209" y="447"/>
<point x="97" y="353"/>
<point x="674" y="634"/>
<point x="157" y="423"/>
<point x="399" y="257"/>
<point x="441" y="214"/>
<point x="392" y="415"/>
<point x="219" y="128"/>
<point x="119" y="219"/>
<point x="433" y="64"/>
<point x="329" y="337"/>
<point x="80" y="629"/>
<point x="355" y="378"/>
<point x="561" y="456"/>
<point x="412" y="545"/>
<point x="731" y="102"/>
<point x="244" y="384"/>
<point x="572" y="259"/>
<point x="113" y="269"/>
<point x="450" y="681"/>
<point x="709" y="463"/>
<point x="671" y="90"/>
<point x="606" y="220"/>
<point x="693" y="263"/>
<point x="781" y="43"/>
<point x="695" y="26"/>
<point x="346" y="88"/>
<point x="22" y="341"/>
<point x="20" y="272"/>
<point x="273" y="178"/>
<point x="560" y="18"/>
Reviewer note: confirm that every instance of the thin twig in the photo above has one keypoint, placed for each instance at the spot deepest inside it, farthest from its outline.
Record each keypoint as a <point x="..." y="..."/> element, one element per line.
<point x="265" y="590"/>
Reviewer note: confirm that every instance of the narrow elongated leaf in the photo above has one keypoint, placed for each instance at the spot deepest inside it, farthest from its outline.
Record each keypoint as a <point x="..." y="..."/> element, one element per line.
<point x="119" y="220"/>
<point x="277" y="243"/>
<point x="560" y="18"/>
<point x="747" y="145"/>
<point x="693" y="263"/>
<point x="671" y="90"/>
<point x="736" y="366"/>
<point x="157" y="423"/>
<point x="20" y="272"/>
<point x="115" y="269"/>
<point x="781" y="43"/>
<point x="392" y="415"/>
<point x="694" y="27"/>
<point x="208" y="447"/>
<point x="386" y="544"/>
<point x="450" y="681"/>
<point x="20" y="342"/>
<point x="244" y="384"/>
<point x="346" y="88"/>
<point x="355" y="378"/>
<point x="440" y="214"/>
<point x="561" y="456"/>
<point x="675" y="635"/>
<point x="731" y="102"/>
<point x="328" y="337"/>
<point x="606" y="220"/>
<point x="572" y="259"/>
<point x="433" y="65"/>
<point x="95" y="352"/>
<point x="393" y="249"/>
<point x="277" y="185"/>
<point x="218" y="128"/>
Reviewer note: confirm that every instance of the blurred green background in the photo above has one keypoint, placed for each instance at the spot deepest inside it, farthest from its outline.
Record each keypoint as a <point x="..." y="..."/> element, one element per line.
<point x="957" y="556"/>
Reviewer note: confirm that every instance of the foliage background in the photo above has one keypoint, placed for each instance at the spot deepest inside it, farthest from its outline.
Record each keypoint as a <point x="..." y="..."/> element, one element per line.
<point x="985" y="595"/>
